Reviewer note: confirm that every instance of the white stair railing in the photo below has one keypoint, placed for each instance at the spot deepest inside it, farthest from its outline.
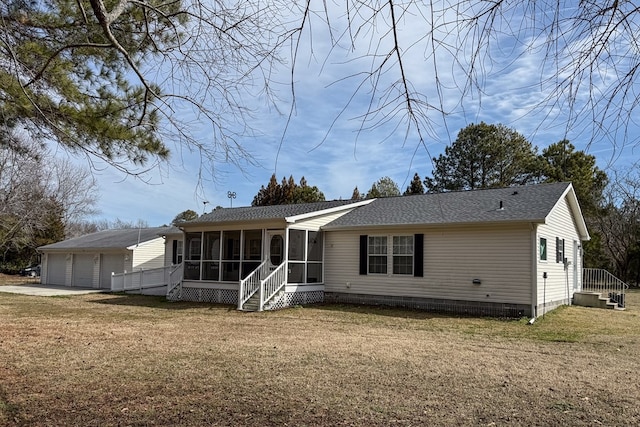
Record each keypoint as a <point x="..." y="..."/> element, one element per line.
<point x="175" y="281"/>
<point x="272" y="284"/>
<point x="605" y="283"/>
<point x="251" y="284"/>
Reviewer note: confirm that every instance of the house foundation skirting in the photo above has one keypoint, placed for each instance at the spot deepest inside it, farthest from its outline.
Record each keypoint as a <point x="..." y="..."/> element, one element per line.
<point x="470" y="308"/>
<point x="299" y="297"/>
<point x="551" y="305"/>
<point x="230" y="296"/>
<point x="218" y="296"/>
<point x="292" y="299"/>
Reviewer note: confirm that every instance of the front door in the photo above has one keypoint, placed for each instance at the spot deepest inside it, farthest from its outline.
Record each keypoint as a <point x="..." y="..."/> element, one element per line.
<point x="274" y="248"/>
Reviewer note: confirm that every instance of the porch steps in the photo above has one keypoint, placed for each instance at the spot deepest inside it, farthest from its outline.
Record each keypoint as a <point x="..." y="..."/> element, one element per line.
<point x="596" y="300"/>
<point x="253" y="304"/>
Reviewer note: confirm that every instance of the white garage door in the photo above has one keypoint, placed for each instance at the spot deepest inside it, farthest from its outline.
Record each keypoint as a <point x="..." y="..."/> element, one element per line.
<point x="82" y="270"/>
<point x="110" y="263"/>
<point x="56" y="269"/>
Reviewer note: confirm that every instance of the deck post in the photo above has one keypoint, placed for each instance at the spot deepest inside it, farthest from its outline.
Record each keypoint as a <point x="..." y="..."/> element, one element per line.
<point x="240" y="293"/>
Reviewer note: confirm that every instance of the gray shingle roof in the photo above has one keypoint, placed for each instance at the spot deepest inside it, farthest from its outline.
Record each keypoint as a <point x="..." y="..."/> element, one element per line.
<point x="109" y="239"/>
<point x="531" y="203"/>
<point x="256" y="213"/>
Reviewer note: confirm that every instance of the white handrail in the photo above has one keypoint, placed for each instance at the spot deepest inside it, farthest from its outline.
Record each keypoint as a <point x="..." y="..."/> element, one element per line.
<point x="251" y="284"/>
<point x="140" y="279"/>
<point x="174" y="279"/>
<point x="601" y="281"/>
<point x="272" y="284"/>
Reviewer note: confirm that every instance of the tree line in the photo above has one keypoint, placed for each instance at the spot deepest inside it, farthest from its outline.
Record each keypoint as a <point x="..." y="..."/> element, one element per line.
<point x="40" y="201"/>
<point x="494" y="156"/>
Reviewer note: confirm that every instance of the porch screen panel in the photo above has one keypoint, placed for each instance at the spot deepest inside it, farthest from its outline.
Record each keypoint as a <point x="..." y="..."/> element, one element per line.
<point x="314" y="272"/>
<point x="296" y="272"/>
<point x="211" y="256"/>
<point x="193" y="254"/>
<point x="296" y="245"/>
<point x="212" y="246"/>
<point x="314" y="246"/>
<point x="297" y="252"/>
<point x="314" y="257"/>
<point x="193" y="246"/>
<point x="231" y="256"/>
<point x="252" y="252"/>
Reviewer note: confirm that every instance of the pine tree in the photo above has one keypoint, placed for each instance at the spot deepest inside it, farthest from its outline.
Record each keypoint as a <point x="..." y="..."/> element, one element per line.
<point x="356" y="194"/>
<point x="415" y="187"/>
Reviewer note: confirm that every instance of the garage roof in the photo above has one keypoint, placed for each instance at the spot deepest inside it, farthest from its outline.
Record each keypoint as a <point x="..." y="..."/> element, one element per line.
<point x="109" y="239"/>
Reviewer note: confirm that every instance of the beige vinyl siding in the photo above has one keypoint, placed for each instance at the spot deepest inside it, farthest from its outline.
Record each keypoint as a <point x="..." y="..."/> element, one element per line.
<point x="560" y="223"/>
<point x="128" y="261"/>
<point x="316" y="222"/>
<point x="149" y="254"/>
<point x="453" y="257"/>
<point x="168" y="248"/>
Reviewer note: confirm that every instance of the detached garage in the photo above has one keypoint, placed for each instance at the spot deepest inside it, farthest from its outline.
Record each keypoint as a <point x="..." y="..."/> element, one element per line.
<point x="88" y="261"/>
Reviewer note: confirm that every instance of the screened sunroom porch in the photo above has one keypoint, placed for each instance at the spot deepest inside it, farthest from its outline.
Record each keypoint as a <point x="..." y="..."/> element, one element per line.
<point x="253" y="268"/>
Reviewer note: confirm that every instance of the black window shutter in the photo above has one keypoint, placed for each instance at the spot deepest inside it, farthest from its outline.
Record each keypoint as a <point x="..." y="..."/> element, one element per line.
<point x="418" y="255"/>
<point x="363" y="253"/>
<point x="174" y="256"/>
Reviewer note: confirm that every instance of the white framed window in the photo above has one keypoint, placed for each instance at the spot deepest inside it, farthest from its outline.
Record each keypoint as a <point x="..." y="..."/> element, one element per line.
<point x="402" y="254"/>
<point x="377" y="254"/>
<point x="560" y="250"/>
<point x="543" y="249"/>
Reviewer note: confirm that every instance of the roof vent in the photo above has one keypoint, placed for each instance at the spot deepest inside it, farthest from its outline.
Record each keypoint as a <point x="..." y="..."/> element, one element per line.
<point x="515" y="193"/>
<point x="501" y="206"/>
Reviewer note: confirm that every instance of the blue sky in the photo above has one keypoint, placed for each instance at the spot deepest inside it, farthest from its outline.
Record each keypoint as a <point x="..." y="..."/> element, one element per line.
<point x="338" y="160"/>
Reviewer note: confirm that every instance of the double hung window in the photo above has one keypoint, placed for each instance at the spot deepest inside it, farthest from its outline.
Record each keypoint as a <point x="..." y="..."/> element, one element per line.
<point x="390" y="253"/>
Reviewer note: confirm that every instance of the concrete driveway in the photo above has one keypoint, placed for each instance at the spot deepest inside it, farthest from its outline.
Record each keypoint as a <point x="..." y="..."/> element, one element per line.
<point x="48" y="290"/>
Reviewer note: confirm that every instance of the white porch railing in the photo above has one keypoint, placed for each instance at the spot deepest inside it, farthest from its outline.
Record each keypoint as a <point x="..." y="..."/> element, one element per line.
<point x="250" y="284"/>
<point x="605" y="283"/>
<point x="141" y="279"/>
<point x="175" y="282"/>
<point x="272" y="284"/>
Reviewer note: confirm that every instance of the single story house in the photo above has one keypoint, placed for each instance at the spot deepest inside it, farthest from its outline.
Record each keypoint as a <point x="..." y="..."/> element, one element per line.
<point x="90" y="260"/>
<point x="507" y="252"/>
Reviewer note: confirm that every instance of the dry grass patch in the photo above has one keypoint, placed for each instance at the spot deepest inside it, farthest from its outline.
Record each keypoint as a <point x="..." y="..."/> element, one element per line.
<point x="130" y="360"/>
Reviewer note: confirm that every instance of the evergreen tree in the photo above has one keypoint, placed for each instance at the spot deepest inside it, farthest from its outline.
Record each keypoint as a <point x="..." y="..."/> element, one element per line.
<point x="288" y="192"/>
<point x="304" y="193"/>
<point x="356" y="194"/>
<point x="485" y="156"/>
<point x="384" y="187"/>
<point x="562" y="163"/>
<point x="415" y="187"/>
<point x="188" y="215"/>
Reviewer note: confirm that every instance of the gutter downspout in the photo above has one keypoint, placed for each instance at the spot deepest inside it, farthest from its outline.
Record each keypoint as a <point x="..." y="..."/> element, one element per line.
<point x="534" y="271"/>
